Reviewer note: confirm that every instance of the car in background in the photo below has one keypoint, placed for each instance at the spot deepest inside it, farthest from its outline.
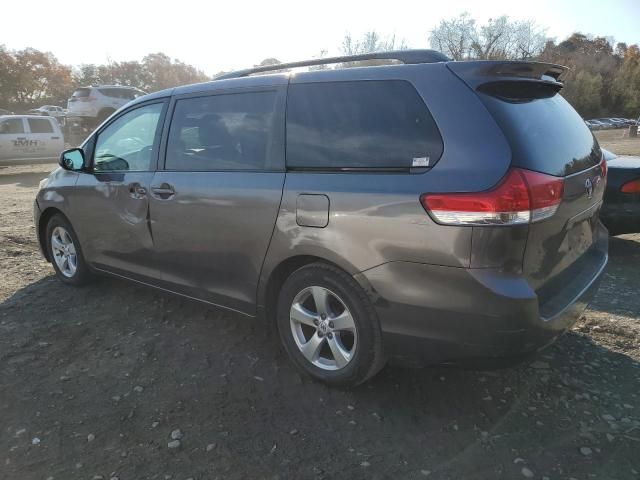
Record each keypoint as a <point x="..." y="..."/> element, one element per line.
<point x="5" y="112"/>
<point x="593" y="124"/>
<point x="606" y="123"/>
<point x="618" y="122"/>
<point x="30" y="137"/>
<point x="621" y="208"/>
<point x="48" y="111"/>
<point x="90" y="106"/>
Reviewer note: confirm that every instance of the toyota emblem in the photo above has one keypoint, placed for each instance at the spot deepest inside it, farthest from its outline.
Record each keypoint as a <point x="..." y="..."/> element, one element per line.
<point x="588" y="185"/>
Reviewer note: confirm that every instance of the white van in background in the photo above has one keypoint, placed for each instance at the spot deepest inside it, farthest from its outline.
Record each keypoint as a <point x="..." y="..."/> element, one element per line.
<point x="30" y="137"/>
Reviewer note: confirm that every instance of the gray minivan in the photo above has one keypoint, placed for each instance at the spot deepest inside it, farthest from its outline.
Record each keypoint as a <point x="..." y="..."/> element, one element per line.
<point x="433" y="210"/>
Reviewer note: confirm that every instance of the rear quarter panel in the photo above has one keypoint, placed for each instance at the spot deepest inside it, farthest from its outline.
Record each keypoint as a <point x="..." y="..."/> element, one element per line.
<point x="376" y="218"/>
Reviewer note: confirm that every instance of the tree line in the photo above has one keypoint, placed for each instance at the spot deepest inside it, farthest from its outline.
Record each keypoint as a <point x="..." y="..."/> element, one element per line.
<point x="603" y="79"/>
<point x="30" y="78"/>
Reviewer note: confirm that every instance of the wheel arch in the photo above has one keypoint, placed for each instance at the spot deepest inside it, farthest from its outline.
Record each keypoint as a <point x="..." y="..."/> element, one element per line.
<point x="268" y="293"/>
<point x="43" y="221"/>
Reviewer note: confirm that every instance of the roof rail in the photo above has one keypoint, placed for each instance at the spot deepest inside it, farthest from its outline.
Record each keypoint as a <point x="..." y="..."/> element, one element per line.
<point x="403" y="56"/>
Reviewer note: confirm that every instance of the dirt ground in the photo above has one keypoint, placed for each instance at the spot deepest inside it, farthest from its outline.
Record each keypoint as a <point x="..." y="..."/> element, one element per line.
<point x="618" y="141"/>
<point x="94" y="381"/>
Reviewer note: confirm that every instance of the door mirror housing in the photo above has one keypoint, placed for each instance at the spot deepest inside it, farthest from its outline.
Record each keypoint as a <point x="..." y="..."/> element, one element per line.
<point x="72" y="160"/>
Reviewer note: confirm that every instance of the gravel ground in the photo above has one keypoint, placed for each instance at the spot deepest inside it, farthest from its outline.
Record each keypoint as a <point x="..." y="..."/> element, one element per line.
<point x="121" y="381"/>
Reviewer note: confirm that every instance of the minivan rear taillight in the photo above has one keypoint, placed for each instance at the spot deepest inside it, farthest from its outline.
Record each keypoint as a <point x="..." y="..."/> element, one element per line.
<point x="522" y="196"/>
<point x="603" y="167"/>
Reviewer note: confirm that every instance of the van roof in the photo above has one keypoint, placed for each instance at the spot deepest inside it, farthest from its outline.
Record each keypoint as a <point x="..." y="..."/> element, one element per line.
<point x="470" y="72"/>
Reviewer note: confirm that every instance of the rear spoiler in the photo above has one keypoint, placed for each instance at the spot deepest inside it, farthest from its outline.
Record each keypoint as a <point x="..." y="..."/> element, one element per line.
<point x="477" y="73"/>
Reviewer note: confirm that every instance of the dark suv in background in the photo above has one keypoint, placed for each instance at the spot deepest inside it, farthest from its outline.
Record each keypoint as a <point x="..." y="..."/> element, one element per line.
<point x="439" y="210"/>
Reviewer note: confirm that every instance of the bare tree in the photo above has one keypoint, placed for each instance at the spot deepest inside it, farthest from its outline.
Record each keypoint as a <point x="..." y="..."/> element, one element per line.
<point x="369" y="43"/>
<point x="529" y="39"/>
<point x="454" y="37"/>
<point x="499" y="39"/>
<point x="494" y="40"/>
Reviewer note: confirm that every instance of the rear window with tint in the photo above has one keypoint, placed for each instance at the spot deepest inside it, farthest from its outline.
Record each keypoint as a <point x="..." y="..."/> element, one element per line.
<point x="360" y="125"/>
<point x="82" y="92"/>
<point x="124" y="93"/>
<point x="40" y="125"/>
<point x="545" y="133"/>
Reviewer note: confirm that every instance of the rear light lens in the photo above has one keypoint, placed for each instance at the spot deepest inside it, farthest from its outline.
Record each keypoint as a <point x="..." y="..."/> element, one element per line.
<point x="631" y="187"/>
<point x="521" y="197"/>
<point x="603" y="167"/>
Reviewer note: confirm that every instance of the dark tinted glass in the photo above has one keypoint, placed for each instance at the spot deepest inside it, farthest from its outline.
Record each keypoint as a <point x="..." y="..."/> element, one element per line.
<point x="82" y="92"/>
<point x="222" y="132"/>
<point x="124" y="93"/>
<point x="362" y="124"/>
<point x="11" y="125"/>
<point x="37" y="125"/>
<point x="546" y="134"/>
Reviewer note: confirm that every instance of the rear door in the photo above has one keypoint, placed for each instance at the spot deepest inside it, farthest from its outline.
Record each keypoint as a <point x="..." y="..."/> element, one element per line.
<point x="45" y="136"/>
<point x="81" y="102"/>
<point x="13" y="138"/>
<point x="214" y="206"/>
<point x="547" y="135"/>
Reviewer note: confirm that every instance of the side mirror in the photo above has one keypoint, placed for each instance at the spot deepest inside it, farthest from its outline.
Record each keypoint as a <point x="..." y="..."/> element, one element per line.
<point x="72" y="159"/>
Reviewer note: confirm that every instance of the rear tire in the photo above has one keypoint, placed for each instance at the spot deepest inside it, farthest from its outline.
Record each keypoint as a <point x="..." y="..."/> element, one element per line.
<point x="328" y="326"/>
<point x="65" y="252"/>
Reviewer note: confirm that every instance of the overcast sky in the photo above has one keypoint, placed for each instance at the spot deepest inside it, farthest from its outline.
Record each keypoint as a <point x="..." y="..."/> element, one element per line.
<point x="221" y="35"/>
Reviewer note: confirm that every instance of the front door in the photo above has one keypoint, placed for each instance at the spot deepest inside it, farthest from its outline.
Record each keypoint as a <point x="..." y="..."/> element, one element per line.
<point x="45" y="137"/>
<point x="111" y="203"/>
<point x="214" y="205"/>
<point x="13" y="138"/>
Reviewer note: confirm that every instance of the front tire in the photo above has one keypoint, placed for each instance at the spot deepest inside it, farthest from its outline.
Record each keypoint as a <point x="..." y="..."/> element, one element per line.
<point x="65" y="252"/>
<point x="328" y="326"/>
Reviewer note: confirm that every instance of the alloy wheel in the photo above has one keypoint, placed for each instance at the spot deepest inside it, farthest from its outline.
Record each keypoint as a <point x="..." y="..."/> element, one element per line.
<point x="64" y="251"/>
<point x="323" y="328"/>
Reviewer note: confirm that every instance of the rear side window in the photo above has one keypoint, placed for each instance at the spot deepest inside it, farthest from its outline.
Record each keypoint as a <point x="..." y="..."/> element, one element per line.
<point x="12" y="126"/>
<point x="110" y="92"/>
<point x="82" y="92"/>
<point x="360" y="125"/>
<point x="40" y="125"/>
<point x="222" y="132"/>
<point x="545" y="133"/>
<point x="124" y="93"/>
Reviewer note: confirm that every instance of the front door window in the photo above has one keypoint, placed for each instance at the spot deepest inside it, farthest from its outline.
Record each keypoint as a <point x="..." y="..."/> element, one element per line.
<point x="127" y="144"/>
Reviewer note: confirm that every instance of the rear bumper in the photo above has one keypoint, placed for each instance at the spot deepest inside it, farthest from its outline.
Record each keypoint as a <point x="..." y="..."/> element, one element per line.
<point x="439" y="314"/>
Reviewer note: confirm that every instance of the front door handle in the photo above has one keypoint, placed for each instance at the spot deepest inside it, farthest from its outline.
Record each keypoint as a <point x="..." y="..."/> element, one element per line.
<point x="163" y="192"/>
<point x="137" y="191"/>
